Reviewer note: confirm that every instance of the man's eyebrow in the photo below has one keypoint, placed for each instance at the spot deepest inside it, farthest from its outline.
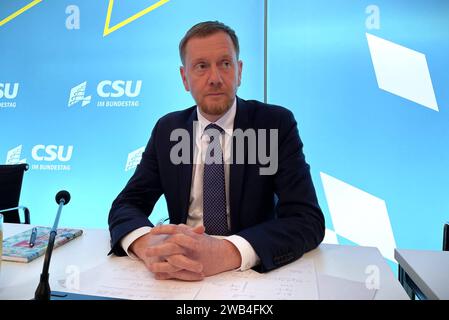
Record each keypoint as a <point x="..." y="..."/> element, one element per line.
<point x="227" y="56"/>
<point x="198" y="60"/>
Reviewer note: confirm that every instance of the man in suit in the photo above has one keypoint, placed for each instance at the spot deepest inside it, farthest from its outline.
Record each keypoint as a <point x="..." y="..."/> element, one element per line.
<point x="225" y="211"/>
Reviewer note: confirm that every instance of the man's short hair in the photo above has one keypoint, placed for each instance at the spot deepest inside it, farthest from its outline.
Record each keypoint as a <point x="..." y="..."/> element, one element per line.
<point x="204" y="29"/>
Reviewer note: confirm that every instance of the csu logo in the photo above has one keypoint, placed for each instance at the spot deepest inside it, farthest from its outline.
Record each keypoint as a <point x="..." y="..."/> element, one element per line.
<point x="9" y="90"/>
<point x="13" y="156"/>
<point x="118" y="88"/>
<point x="41" y="152"/>
<point x="44" y="155"/>
<point x="77" y="94"/>
<point x="109" y="93"/>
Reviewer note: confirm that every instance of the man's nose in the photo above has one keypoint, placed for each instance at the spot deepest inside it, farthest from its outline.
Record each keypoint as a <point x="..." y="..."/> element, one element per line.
<point x="215" y="77"/>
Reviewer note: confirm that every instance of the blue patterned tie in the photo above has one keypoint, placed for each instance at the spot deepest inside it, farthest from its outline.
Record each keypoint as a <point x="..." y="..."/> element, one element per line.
<point x="214" y="190"/>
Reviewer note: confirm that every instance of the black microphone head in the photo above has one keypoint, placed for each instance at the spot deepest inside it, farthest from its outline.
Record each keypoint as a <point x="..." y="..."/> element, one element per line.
<point x="62" y="195"/>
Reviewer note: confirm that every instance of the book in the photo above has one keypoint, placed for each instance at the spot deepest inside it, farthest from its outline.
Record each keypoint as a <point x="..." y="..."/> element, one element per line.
<point x="16" y="248"/>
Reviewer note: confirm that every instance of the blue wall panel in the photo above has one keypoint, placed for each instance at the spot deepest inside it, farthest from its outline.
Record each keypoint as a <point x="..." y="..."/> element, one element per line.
<point x="47" y="60"/>
<point x="319" y="66"/>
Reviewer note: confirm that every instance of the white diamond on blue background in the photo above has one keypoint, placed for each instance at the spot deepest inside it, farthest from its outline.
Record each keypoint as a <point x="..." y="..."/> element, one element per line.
<point x="402" y="71"/>
<point x="359" y="216"/>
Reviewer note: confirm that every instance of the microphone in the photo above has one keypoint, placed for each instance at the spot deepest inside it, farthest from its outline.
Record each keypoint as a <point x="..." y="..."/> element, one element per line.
<point x="62" y="196"/>
<point x="43" y="291"/>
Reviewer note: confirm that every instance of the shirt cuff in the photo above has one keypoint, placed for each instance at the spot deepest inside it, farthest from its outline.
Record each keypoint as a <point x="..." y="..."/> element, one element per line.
<point x="131" y="237"/>
<point x="249" y="256"/>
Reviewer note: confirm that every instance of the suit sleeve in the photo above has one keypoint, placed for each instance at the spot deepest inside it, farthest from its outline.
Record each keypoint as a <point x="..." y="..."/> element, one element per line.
<point x="132" y="207"/>
<point x="299" y="223"/>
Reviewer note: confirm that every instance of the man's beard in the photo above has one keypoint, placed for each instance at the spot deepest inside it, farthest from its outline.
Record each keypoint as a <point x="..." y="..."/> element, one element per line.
<point x="216" y="108"/>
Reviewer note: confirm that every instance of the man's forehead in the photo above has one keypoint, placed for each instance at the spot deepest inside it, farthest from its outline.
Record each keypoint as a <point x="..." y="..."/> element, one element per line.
<point x="215" y="43"/>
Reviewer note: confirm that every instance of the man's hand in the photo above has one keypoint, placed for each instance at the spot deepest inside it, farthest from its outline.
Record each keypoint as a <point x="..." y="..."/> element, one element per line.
<point x="164" y="255"/>
<point x="213" y="254"/>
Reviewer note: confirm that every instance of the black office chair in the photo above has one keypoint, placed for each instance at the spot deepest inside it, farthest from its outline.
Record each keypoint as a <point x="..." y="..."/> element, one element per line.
<point x="11" y="177"/>
<point x="446" y="237"/>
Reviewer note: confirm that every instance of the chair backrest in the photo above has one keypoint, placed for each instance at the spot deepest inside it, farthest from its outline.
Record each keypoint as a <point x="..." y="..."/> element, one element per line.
<point x="11" y="177"/>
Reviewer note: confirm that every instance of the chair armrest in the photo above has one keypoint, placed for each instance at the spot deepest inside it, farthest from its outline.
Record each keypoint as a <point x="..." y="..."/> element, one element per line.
<point x="26" y="212"/>
<point x="446" y="237"/>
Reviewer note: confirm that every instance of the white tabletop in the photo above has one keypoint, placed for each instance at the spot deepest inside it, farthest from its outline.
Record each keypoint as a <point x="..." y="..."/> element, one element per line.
<point x="428" y="270"/>
<point x="19" y="280"/>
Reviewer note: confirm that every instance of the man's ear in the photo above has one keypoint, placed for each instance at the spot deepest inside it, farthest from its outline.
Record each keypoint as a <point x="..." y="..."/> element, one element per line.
<point x="239" y="72"/>
<point x="182" y="70"/>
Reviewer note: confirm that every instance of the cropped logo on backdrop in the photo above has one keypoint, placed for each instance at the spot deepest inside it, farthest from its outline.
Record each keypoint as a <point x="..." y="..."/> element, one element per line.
<point x="108" y="29"/>
<point x="19" y="12"/>
<point x="8" y="94"/>
<point x="134" y="158"/>
<point x="74" y="12"/>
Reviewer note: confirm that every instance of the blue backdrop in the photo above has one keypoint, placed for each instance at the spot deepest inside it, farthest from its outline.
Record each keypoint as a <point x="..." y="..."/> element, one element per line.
<point x="83" y="82"/>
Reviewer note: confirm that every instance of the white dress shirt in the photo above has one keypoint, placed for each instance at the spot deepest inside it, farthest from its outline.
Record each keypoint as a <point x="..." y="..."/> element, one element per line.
<point x="195" y="214"/>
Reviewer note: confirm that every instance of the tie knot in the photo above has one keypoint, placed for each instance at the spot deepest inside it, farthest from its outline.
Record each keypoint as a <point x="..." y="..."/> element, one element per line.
<point x="213" y="130"/>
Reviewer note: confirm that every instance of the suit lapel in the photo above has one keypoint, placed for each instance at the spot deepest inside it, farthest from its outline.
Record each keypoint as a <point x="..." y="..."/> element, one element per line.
<point x="185" y="172"/>
<point x="237" y="171"/>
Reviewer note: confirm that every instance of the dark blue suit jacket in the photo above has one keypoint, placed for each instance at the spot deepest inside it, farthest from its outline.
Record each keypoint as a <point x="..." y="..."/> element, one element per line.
<point x="277" y="214"/>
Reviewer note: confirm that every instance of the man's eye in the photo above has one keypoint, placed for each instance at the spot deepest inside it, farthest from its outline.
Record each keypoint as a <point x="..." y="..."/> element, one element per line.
<point x="201" y="66"/>
<point x="226" y="64"/>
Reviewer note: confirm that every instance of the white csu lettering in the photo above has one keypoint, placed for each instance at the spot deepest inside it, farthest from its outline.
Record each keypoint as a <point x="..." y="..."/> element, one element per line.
<point x="41" y="152"/>
<point x="5" y="90"/>
<point x="118" y="88"/>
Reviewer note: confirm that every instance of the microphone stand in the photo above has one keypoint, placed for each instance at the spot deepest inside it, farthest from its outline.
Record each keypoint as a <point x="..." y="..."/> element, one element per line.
<point x="43" y="289"/>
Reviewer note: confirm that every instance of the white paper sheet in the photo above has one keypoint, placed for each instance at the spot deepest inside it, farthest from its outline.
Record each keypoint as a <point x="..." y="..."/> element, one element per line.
<point x="295" y="281"/>
<point x="129" y="279"/>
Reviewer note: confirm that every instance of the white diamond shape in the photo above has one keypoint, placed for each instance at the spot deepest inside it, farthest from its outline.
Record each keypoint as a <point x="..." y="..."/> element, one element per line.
<point x="359" y="216"/>
<point x="402" y="71"/>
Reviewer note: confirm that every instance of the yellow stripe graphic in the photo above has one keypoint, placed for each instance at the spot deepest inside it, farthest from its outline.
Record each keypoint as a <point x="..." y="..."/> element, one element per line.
<point x="20" y="11"/>
<point x="108" y="30"/>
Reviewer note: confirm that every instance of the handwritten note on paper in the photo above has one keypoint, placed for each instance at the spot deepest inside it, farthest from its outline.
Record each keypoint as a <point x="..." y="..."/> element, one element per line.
<point x="229" y="286"/>
<point x="128" y="279"/>
<point x="297" y="281"/>
<point x="291" y="282"/>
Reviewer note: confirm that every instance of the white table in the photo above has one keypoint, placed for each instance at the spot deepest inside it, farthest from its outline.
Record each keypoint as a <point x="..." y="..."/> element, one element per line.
<point x="19" y="280"/>
<point x="424" y="273"/>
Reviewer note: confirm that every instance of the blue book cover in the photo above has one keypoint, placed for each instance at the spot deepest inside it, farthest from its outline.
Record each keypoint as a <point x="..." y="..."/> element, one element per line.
<point x="16" y="248"/>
